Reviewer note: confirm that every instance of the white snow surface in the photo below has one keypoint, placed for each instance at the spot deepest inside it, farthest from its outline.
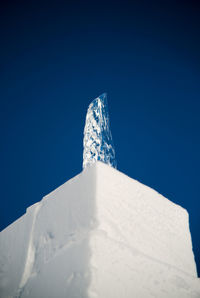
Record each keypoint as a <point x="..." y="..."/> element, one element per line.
<point x="99" y="235"/>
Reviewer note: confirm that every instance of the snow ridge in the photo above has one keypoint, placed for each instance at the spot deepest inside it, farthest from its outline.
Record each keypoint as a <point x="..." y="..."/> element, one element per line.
<point x="30" y="258"/>
<point x="97" y="142"/>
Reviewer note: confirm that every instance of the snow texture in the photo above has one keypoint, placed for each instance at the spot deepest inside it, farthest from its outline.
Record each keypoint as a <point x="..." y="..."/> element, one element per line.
<point x="97" y="142"/>
<point x="101" y="234"/>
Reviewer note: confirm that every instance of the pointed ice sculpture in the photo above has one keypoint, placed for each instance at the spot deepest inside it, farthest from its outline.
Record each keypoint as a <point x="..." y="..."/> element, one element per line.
<point x="97" y="142"/>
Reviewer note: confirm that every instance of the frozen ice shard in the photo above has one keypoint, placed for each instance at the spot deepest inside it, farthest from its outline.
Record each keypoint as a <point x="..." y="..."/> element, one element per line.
<point x="97" y="142"/>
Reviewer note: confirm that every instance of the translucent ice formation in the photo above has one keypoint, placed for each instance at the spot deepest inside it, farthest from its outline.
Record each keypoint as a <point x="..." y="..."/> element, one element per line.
<point x="97" y="142"/>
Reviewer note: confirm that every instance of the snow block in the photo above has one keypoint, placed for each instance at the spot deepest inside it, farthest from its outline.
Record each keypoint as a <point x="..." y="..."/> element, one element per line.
<point x="101" y="234"/>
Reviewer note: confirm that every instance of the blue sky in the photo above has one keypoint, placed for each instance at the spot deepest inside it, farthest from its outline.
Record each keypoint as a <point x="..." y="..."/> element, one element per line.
<point x="57" y="56"/>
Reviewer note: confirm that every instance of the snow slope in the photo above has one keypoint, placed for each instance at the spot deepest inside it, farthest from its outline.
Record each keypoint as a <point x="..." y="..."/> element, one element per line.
<point x="101" y="234"/>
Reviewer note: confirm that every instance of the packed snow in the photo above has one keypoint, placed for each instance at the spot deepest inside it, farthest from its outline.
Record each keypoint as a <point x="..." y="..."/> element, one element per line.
<point x="97" y="142"/>
<point x="101" y="234"/>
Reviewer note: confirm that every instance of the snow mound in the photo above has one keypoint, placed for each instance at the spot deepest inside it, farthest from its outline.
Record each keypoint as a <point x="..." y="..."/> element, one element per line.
<point x="101" y="234"/>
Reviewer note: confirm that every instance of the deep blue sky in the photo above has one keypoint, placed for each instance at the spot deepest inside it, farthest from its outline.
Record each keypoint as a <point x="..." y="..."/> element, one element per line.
<point x="57" y="56"/>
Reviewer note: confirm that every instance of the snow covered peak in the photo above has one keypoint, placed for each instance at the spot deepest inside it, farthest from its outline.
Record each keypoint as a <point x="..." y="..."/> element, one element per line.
<point x="111" y="237"/>
<point x="97" y="142"/>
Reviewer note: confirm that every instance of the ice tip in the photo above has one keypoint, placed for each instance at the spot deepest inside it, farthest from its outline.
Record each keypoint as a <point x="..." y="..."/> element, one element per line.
<point x="103" y="95"/>
<point x="97" y="141"/>
<point x="102" y="98"/>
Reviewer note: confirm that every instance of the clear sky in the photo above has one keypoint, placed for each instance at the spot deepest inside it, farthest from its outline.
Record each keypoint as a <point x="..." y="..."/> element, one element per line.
<point x="57" y="56"/>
